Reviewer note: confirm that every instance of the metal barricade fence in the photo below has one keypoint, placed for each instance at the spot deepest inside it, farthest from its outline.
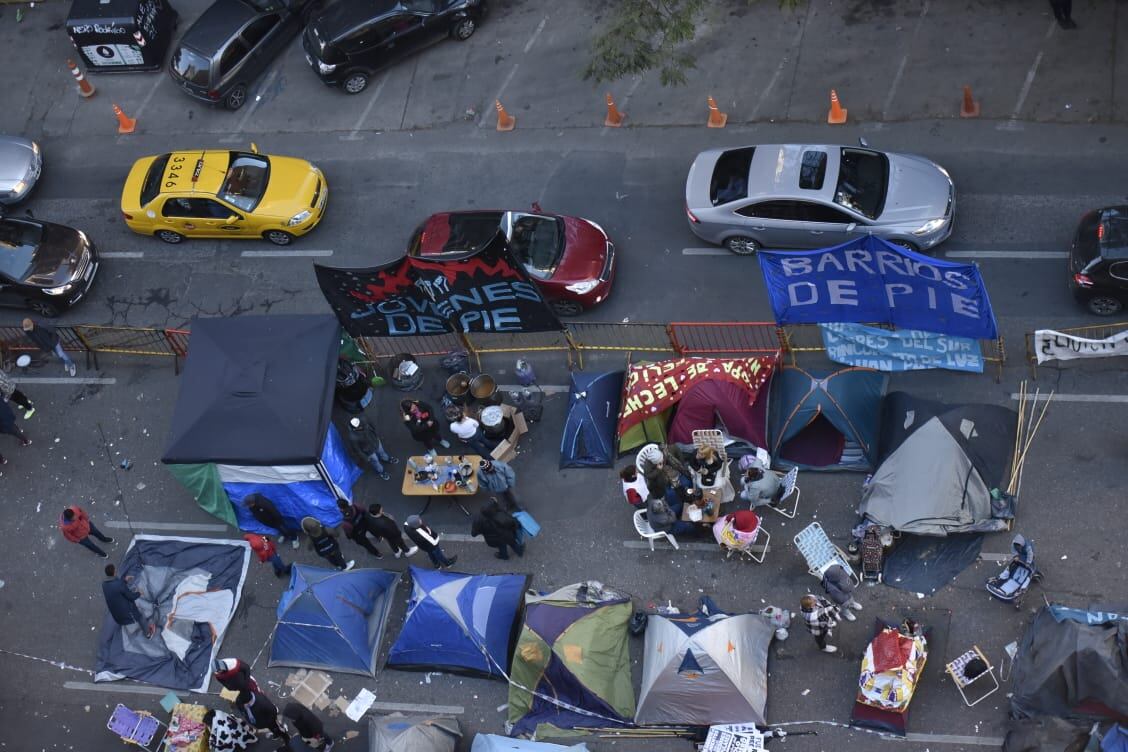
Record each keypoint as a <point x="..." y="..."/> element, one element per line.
<point x="725" y="338"/>
<point x="92" y="340"/>
<point x="1095" y="331"/>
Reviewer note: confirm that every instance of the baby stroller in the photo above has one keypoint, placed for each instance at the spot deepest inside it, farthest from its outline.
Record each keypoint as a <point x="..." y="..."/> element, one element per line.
<point x="1011" y="584"/>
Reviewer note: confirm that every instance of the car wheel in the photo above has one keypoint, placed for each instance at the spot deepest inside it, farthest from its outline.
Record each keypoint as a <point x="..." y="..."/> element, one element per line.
<point x="236" y="98"/>
<point x="566" y="308"/>
<point x="742" y="246"/>
<point x="1105" y="305"/>
<point x="906" y="245"/>
<point x="355" y="83"/>
<point x="278" y="237"/>
<point x="463" y="29"/>
<point x="168" y="236"/>
<point x="43" y="308"/>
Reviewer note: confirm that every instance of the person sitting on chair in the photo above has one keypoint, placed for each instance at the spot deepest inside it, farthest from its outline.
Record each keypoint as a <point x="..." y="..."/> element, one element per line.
<point x="634" y="486"/>
<point x="707" y="463"/>
<point x="760" y="487"/>
<point x="663" y="519"/>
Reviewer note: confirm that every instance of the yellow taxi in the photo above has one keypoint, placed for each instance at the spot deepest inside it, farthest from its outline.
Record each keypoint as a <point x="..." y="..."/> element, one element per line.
<point x="223" y="194"/>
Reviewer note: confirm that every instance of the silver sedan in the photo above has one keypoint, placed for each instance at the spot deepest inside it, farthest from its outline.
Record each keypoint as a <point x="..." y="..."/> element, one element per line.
<point x="795" y="196"/>
<point x="20" y="165"/>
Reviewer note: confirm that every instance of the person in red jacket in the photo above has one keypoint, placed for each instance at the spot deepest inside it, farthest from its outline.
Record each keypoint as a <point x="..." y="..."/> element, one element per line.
<point x="77" y="528"/>
<point x="267" y="553"/>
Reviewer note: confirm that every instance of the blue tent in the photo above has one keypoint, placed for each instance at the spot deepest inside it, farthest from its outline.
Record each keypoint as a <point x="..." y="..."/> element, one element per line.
<point x="464" y="623"/>
<point x="333" y="620"/>
<point x="826" y="420"/>
<point x="593" y="415"/>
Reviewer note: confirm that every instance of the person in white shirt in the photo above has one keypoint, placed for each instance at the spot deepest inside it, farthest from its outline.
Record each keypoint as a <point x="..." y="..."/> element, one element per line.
<point x="469" y="432"/>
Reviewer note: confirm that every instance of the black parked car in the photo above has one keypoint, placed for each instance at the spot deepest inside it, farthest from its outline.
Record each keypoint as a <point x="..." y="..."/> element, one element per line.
<point x="233" y="42"/>
<point x="44" y="266"/>
<point x="350" y="41"/>
<point x="1098" y="261"/>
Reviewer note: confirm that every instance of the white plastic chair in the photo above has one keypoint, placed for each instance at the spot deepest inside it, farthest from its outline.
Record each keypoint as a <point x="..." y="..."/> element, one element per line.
<point x="791" y="490"/>
<point x="642" y="526"/>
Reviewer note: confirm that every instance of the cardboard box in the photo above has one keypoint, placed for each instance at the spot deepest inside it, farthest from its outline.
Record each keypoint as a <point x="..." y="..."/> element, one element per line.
<point x="506" y="449"/>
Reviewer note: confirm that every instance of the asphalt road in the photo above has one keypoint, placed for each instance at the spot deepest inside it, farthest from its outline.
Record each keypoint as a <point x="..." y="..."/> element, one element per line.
<point x="1020" y="188"/>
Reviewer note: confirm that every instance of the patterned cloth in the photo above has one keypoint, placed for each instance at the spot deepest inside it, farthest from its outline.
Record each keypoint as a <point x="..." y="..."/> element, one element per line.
<point x="822" y="618"/>
<point x="230" y="733"/>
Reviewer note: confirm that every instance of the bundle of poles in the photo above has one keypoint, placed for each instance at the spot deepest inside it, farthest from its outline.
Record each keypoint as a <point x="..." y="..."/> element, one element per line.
<point x="1027" y="429"/>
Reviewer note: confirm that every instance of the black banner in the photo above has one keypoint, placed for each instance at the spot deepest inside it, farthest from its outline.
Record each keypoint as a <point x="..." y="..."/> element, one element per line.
<point x="487" y="291"/>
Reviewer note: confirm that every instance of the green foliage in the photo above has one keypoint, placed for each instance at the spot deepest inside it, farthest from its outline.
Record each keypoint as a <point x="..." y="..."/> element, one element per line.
<point x="642" y="35"/>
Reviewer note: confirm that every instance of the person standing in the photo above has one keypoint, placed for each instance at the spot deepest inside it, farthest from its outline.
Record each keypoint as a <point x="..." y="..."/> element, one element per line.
<point x="47" y="339"/>
<point x="839" y="587"/>
<point x="309" y="726"/>
<point x="498" y="528"/>
<point x="1063" y="13"/>
<point x="428" y="540"/>
<point x="121" y="599"/>
<point x="260" y="712"/>
<point x="357" y="527"/>
<point x="383" y="525"/>
<point x="498" y="477"/>
<point x="234" y="675"/>
<point x="419" y="418"/>
<point x="9" y="393"/>
<point x="324" y="542"/>
<point x="470" y="433"/>
<point x="821" y="617"/>
<point x="77" y="527"/>
<point x="263" y="510"/>
<point x="364" y="440"/>
<point x="267" y="553"/>
<point x="8" y="424"/>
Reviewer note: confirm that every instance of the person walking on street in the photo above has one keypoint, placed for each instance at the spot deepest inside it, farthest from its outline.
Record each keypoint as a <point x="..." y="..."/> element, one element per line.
<point x="121" y="599"/>
<point x="498" y="477"/>
<point x="47" y="339"/>
<point x="260" y="712"/>
<point x="357" y="526"/>
<point x="267" y="553"/>
<point x="76" y="527"/>
<point x="8" y="424"/>
<point x="839" y="587"/>
<point x="309" y="726"/>
<point x="9" y="393"/>
<point x="428" y="540"/>
<point x="1063" y="13"/>
<point x="383" y="525"/>
<point x="419" y="417"/>
<point x="470" y="433"/>
<point x="499" y="528"/>
<point x="234" y="675"/>
<point x="366" y="442"/>
<point x="263" y="510"/>
<point x="821" y="617"/>
<point x="324" y="542"/>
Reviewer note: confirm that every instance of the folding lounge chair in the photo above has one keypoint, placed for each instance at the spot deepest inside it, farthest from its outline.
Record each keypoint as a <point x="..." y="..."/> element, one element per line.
<point x="137" y="727"/>
<point x="820" y="553"/>
<point x="956" y="669"/>
<point x="648" y="533"/>
<point x="790" y="491"/>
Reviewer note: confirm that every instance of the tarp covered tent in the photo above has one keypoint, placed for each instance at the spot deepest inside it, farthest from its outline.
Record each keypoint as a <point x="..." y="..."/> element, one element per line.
<point x="939" y="466"/>
<point x="589" y="429"/>
<point x="190" y="588"/>
<point x="572" y="665"/>
<point x="824" y="420"/>
<point x="413" y="733"/>
<point x="462" y="623"/>
<point x="1072" y="663"/>
<point x="253" y="415"/>
<point x="495" y="743"/>
<point x="333" y="620"/>
<point x="705" y="668"/>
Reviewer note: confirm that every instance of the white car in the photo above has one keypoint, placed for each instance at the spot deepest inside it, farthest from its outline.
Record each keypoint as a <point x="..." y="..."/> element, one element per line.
<point x="21" y="161"/>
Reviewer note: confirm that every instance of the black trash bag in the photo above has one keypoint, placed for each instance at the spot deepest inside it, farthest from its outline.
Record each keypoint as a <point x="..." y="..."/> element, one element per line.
<point x="637" y="625"/>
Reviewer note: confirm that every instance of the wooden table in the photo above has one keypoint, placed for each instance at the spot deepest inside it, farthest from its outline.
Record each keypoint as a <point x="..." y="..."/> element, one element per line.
<point x="705" y="518"/>
<point x="411" y="488"/>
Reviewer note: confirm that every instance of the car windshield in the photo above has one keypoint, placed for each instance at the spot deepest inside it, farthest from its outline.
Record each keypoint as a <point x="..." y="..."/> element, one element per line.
<point x="730" y="176"/>
<point x="152" y="185"/>
<point x="425" y="6"/>
<point x="538" y="243"/>
<point x="18" y="241"/>
<point x="1113" y="233"/>
<point x="863" y="178"/>
<point x="190" y="66"/>
<point x="246" y="179"/>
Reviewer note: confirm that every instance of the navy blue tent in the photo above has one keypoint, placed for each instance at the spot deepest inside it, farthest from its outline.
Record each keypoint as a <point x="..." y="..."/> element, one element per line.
<point x="463" y="623"/>
<point x="826" y="420"/>
<point x="593" y="415"/>
<point x="333" y="620"/>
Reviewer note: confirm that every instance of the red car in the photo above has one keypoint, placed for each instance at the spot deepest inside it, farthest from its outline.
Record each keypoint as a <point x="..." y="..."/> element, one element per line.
<point x="571" y="258"/>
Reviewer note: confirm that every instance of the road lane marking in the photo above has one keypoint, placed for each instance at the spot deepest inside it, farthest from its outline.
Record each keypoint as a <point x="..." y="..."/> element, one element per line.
<point x="547" y="389"/>
<point x="253" y="106"/>
<point x="145" y="102"/>
<point x="195" y="527"/>
<point x="367" y="109"/>
<point x="115" y="687"/>
<point x="286" y="254"/>
<point x="121" y="254"/>
<point x="537" y="33"/>
<point x="1115" y="399"/>
<point x="706" y="252"/>
<point x="1030" y="74"/>
<point x="978" y="741"/>
<point x="625" y="103"/>
<point x="403" y="707"/>
<point x="904" y="62"/>
<point x="995" y="557"/>
<point x="685" y="546"/>
<point x="63" y="380"/>
<point x="795" y="44"/>
<point x="485" y="121"/>
<point x="1033" y="255"/>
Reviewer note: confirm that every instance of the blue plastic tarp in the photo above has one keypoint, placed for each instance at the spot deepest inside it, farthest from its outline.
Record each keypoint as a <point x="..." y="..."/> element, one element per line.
<point x="869" y="280"/>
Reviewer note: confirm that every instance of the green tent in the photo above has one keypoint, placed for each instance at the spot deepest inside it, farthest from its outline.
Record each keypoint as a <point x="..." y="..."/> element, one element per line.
<point x="651" y="430"/>
<point x="572" y="666"/>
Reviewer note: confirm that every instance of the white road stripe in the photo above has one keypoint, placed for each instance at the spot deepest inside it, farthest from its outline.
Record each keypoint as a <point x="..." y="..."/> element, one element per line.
<point x="121" y="254"/>
<point x="1033" y="255"/>
<point x="285" y="254"/>
<point x="62" y="380"/>
<point x="258" y="90"/>
<point x="195" y="527"/>
<point x="115" y="687"/>
<point x="403" y="707"/>
<point x="1030" y="74"/>
<point x="549" y="389"/>
<point x="1116" y="399"/>
<point x="460" y="538"/>
<point x="485" y="119"/>
<point x="995" y="557"/>
<point x="978" y="741"/>
<point x="795" y="42"/>
<point x="367" y="109"/>
<point x="537" y="33"/>
<point x="904" y="61"/>
<point x="661" y="544"/>
<point x="706" y="252"/>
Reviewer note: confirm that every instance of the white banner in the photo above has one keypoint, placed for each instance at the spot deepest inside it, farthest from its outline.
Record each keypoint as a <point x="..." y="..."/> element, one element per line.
<point x="1051" y="345"/>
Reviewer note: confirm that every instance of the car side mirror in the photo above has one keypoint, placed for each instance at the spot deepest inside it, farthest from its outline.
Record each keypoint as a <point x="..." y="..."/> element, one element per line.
<point x="862" y="141"/>
<point x="851" y="227"/>
<point x="234" y="218"/>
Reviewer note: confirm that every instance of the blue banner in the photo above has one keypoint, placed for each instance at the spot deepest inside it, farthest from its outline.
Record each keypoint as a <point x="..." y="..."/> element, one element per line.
<point x="869" y="280"/>
<point x="912" y="350"/>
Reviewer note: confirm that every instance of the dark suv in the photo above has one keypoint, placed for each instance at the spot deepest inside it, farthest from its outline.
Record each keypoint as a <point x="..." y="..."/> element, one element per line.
<point x="1098" y="261"/>
<point x="351" y="41"/>
<point x="232" y="43"/>
<point x="44" y="266"/>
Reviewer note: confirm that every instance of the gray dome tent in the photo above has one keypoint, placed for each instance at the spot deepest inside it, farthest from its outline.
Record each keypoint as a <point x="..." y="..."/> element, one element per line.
<point x="413" y="733"/>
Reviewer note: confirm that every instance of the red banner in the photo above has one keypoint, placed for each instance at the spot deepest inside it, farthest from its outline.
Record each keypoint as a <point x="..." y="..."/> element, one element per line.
<point x="653" y="387"/>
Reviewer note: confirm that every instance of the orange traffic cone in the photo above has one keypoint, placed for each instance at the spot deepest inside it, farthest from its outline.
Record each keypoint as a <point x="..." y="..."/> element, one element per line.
<point x="837" y="115"/>
<point x="969" y="108"/>
<point x="614" y="117"/>
<point x="717" y="119"/>
<point x="85" y="88"/>
<point x="125" y="124"/>
<point x="505" y="121"/>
